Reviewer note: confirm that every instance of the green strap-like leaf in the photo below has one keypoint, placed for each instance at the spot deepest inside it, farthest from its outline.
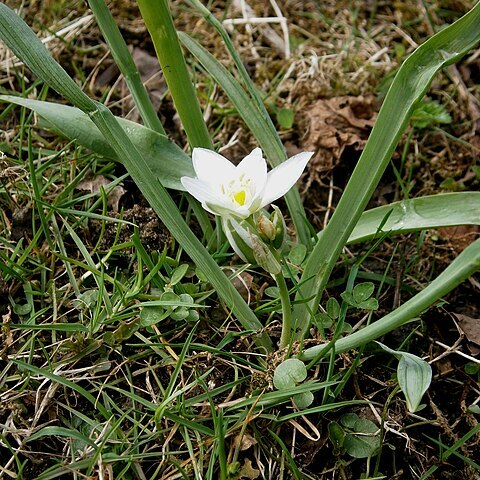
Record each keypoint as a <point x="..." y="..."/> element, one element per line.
<point x="466" y="264"/>
<point x="434" y="211"/>
<point x="167" y="161"/>
<point x="158" y="20"/>
<point x="408" y="87"/>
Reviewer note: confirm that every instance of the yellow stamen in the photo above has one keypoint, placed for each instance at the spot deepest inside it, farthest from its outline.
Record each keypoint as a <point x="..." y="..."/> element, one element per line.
<point x="240" y="197"/>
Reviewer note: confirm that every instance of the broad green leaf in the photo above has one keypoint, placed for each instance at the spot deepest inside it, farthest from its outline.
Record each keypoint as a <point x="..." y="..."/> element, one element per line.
<point x="303" y="400"/>
<point x="413" y="374"/>
<point x="22" y="309"/>
<point x="336" y="434"/>
<point x="152" y="315"/>
<point x="408" y="88"/>
<point x="333" y="308"/>
<point x="370" y="304"/>
<point x="323" y="320"/>
<point x="285" y="117"/>
<point x="178" y="274"/>
<point x="297" y="254"/>
<point x="167" y="161"/>
<point x="361" y="446"/>
<point x="361" y="436"/>
<point x="434" y="211"/>
<point x="472" y="368"/>
<point x="474" y="409"/>
<point x="272" y="292"/>
<point x="363" y="291"/>
<point x="124" y="331"/>
<point x="289" y="373"/>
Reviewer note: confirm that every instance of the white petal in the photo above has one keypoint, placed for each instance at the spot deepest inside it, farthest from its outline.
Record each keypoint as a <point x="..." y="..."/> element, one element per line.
<point x="254" y="167"/>
<point x="200" y="189"/>
<point x="282" y="178"/>
<point x="211" y="166"/>
<point x="231" y="240"/>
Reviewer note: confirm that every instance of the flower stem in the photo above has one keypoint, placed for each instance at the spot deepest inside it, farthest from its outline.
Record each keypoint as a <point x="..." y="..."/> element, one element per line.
<point x="286" y="310"/>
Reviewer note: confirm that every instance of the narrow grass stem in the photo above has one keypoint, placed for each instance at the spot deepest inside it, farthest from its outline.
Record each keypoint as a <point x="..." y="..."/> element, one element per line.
<point x="159" y="22"/>
<point x="286" y="311"/>
<point x="125" y="63"/>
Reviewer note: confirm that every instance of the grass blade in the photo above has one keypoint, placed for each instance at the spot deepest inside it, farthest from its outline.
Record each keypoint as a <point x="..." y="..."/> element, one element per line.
<point x="125" y="63"/>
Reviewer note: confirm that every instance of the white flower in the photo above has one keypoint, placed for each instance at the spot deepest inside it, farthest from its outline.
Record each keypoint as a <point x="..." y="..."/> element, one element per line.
<point x="239" y="191"/>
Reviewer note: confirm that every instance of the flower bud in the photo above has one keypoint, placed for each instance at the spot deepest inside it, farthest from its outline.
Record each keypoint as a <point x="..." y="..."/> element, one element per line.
<point x="249" y="246"/>
<point x="264" y="256"/>
<point x="271" y="228"/>
<point x="280" y="227"/>
<point x="265" y="227"/>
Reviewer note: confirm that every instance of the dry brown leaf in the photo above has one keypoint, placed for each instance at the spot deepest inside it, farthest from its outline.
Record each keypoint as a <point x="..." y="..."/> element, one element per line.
<point x="7" y="336"/>
<point x="471" y="328"/>
<point x="337" y="123"/>
<point x="243" y="283"/>
<point x="459" y="237"/>
<point x="245" y="441"/>
<point x="93" y="183"/>
<point x="247" y="471"/>
<point x="150" y="73"/>
<point x="151" y="76"/>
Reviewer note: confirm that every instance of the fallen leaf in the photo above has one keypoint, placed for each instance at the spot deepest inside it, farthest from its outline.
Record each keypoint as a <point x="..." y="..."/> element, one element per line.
<point x="245" y="441"/>
<point x="247" y="471"/>
<point x="92" y="183"/>
<point x="471" y="328"/>
<point x="7" y="335"/>
<point x="459" y="237"/>
<point x="337" y="123"/>
<point x="243" y="283"/>
<point x="151" y="76"/>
